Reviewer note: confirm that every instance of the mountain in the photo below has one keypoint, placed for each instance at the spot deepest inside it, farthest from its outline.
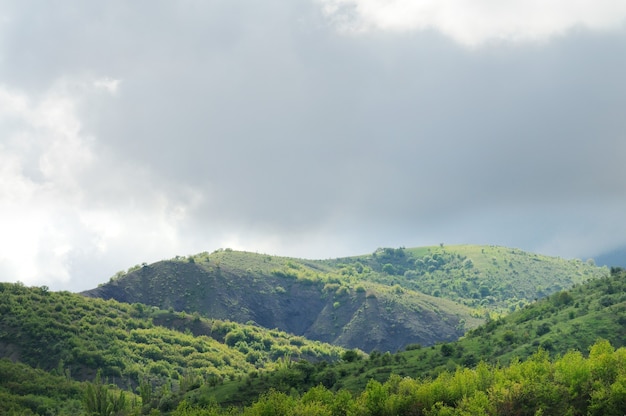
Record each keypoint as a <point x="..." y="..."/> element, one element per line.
<point x="568" y="320"/>
<point x="489" y="277"/>
<point x="311" y="299"/>
<point x="381" y="301"/>
<point x="613" y="258"/>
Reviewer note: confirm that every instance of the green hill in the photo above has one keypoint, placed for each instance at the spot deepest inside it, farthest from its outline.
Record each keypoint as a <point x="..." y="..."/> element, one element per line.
<point x="566" y="321"/>
<point x="490" y="277"/>
<point x="382" y="301"/>
<point x="164" y="351"/>
<point x="53" y="344"/>
<point x="311" y="299"/>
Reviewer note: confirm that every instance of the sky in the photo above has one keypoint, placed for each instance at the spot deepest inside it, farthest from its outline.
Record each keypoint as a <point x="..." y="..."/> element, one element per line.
<point x="132" y="132"/>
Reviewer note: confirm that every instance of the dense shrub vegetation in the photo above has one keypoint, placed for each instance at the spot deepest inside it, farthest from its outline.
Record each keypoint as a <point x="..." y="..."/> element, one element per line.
<point x="136" y="347"/>
<point x="68" y="354"/>
<point x="569" y="385"/>
<point x="488" y="278"/>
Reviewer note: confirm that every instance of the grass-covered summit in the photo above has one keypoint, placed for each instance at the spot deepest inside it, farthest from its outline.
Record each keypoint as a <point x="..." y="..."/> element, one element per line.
<point x="492" y="277"/>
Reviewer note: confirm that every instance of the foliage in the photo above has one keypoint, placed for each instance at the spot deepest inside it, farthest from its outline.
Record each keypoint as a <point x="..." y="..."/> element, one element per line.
<point x="569" y="385"/>
<point x="556" y="325"/>
<point x="163" y="353"/>
<point x="99" y="400"/>
<point x="100" y="356"/>
<point x="28" y="391"/>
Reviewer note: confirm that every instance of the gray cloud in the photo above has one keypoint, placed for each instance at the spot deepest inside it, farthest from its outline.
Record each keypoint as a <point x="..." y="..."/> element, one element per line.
<point x="183" y="127"/>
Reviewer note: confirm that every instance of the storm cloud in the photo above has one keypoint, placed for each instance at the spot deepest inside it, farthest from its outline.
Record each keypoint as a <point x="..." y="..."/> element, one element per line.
<point x="136" y="132"/>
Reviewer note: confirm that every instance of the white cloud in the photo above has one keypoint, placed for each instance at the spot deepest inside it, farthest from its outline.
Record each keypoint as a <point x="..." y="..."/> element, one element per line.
<point x="474" y="22"/>
<point x="108" y="84"/>
<point x="65" y="201"/>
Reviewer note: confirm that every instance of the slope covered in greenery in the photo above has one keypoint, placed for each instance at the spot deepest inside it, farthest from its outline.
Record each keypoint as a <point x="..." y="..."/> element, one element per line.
<point x="489" y="277"/>
<point x="569" y="385"/>
<point x="565" y="321"/>
<point x="28" y="391"/>
<point x="573" y="319"/>
<point x="135" y="345"/>
<point x="179" y="363"/>
<point x="382" y="301"/>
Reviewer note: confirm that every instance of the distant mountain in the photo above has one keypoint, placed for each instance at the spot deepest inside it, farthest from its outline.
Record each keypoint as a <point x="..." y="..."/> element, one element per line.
<point x="382" y="301"/>
<point x="613" y="258"/>
<point x="491" y="278"/>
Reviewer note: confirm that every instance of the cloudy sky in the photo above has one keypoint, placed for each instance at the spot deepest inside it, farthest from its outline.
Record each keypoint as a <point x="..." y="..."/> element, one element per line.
<point x="137" y="131"/>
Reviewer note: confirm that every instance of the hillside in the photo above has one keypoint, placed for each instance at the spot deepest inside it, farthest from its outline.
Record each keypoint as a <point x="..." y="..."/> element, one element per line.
<point x="310" y="299"/>
<point x="382" y="301"/>
<point x="569" y="385"/>
<point x="566" y="321"/>
<point x="133" y="345"/>
<point x="489" y="277"/>
<point x="180" y="363"/>
<point x="572" y="320"/>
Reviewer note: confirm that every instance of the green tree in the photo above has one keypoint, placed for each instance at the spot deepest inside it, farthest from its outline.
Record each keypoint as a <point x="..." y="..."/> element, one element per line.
<point x="100" y="401"/>
<point x="350" y="356"/>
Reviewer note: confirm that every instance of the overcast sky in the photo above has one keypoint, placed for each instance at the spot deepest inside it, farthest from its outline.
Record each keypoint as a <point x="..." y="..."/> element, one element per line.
<point x="135" y="131"/>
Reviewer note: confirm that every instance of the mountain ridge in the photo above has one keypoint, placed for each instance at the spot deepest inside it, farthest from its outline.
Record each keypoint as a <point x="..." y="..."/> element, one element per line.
<point x="319" y="310"/>
<point x="380" y="301"/>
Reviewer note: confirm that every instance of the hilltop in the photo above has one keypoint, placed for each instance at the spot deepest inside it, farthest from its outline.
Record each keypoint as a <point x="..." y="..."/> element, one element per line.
<point x="380" y="301"/>
<point x="490" y="277"/>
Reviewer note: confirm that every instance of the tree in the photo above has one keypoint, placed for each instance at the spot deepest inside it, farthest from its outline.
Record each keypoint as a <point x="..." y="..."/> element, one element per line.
<point x="99" y="401"/>
<point x="350" y="356"/>
<point x="447" y="350"/>
<point x="389" y="269"/>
